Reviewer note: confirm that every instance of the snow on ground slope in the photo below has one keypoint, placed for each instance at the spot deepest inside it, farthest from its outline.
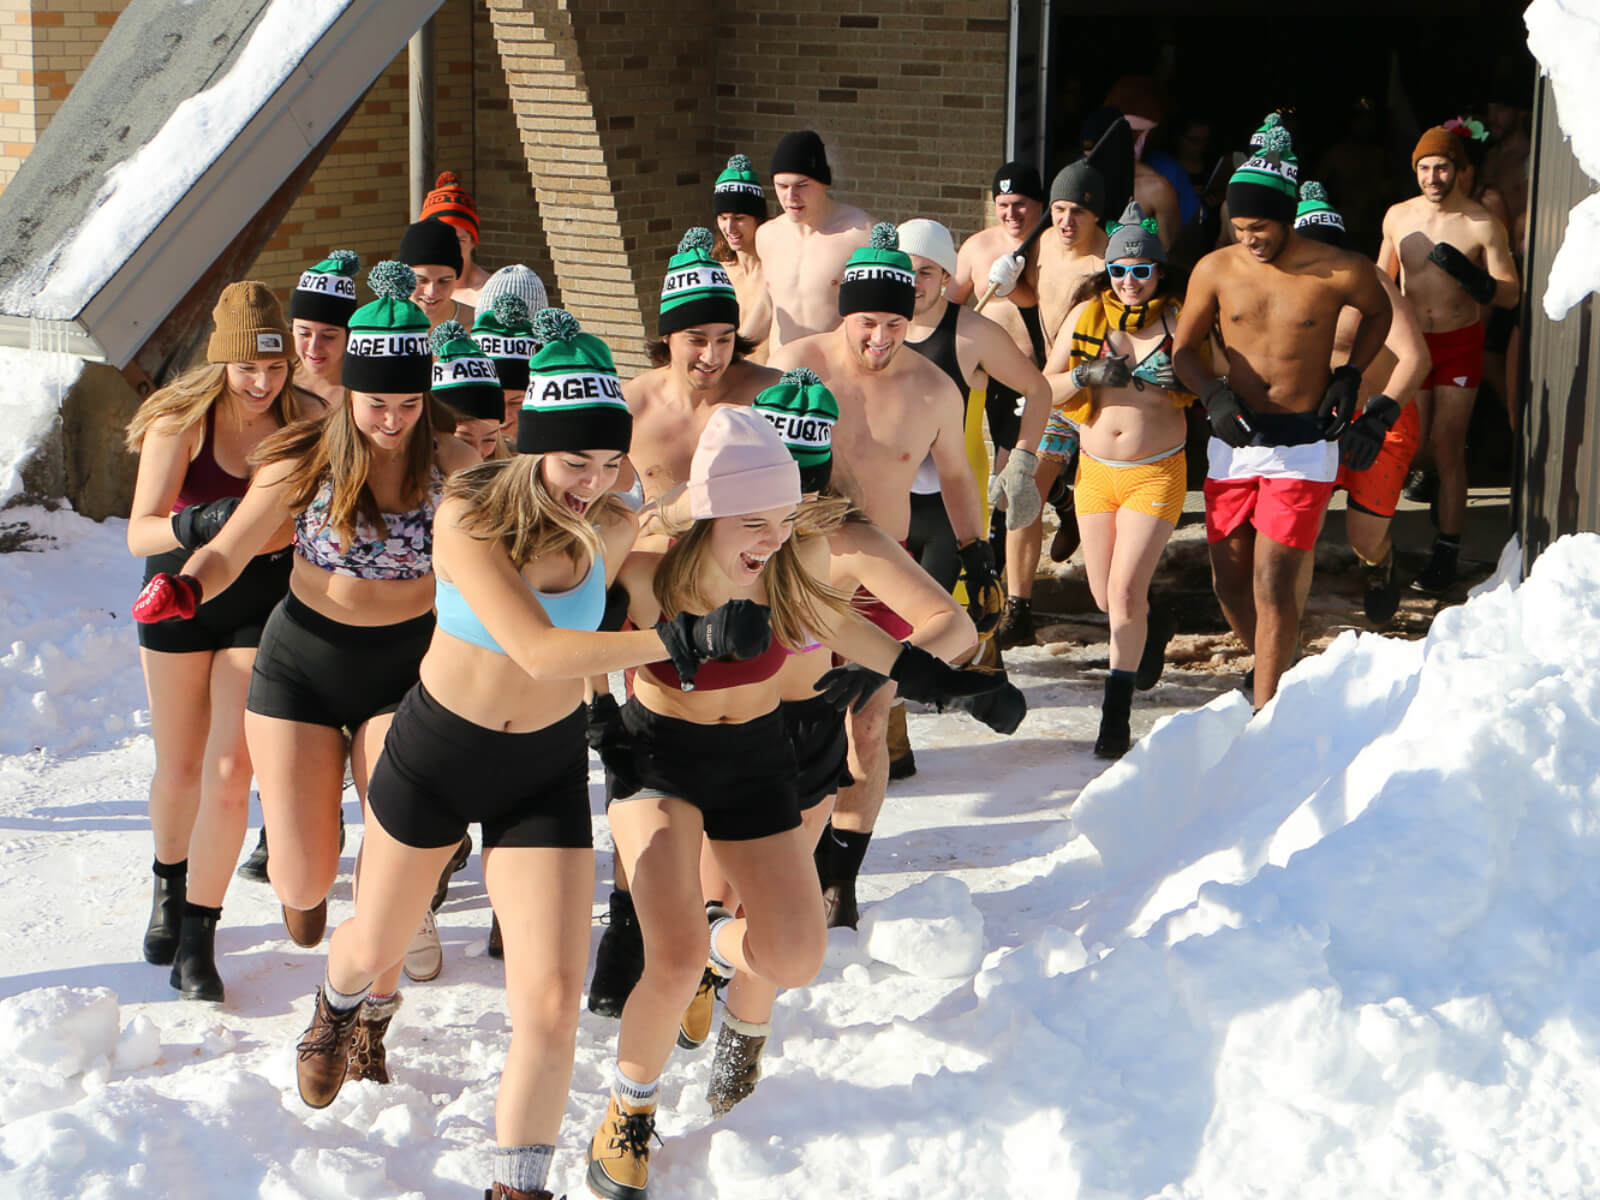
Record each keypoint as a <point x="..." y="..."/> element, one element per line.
<point x="1344" y="948"/>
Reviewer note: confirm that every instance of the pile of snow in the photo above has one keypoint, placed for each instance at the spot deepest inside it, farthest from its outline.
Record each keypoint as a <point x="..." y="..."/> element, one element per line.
<point x="1564" y="36"/>
<point x="60" y="1043"/>
<point x="932" y="929"/>
<point x="140" y="191"/>
<point x="30" y="397"/>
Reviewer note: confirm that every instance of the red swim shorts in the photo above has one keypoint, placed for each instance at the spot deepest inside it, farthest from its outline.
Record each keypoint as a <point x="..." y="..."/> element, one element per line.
<point x="1377" y="489"/>
<point x="1457" y="358"/>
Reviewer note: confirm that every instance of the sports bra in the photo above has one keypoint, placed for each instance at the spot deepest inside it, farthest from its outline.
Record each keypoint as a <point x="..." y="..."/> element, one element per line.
<point x="1151" y="366"/>
<point x="579" y="607"/>
<point x="405" y="552"/>
<point x="205" y="480"/>
<point x="718" y="674"/>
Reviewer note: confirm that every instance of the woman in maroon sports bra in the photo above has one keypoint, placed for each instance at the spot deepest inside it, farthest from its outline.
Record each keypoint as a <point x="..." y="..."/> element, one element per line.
<point x="193" y="439"/>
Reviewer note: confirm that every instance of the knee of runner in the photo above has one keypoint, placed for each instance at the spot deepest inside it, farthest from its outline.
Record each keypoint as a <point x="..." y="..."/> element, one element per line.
<point x="234" y="770"/>
<point x="680" y="955"/>
<point x="178" y="774"/>
<point x="302" y="884"/>
<point x="542" y="1014"/>
<point x="788" y="957"/>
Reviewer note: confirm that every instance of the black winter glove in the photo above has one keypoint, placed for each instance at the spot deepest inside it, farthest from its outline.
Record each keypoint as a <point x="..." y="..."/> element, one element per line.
<point x="739" y="629"/>
<point x="1230" y="419"/>
<point x="608" y="738"/>
<point x="986" y="599"/>
<point x="922" y="677"/>
<point x="197" y="524"/>
<point x="1359" y="447"/>
<point x="616" y="612"/>
<point x="1110" y="371"/>
<point x="1339" y="400"/>
<point x="1001" y="710"/>
<point x="849" y="686"/>
<point x="1474" y="280"/>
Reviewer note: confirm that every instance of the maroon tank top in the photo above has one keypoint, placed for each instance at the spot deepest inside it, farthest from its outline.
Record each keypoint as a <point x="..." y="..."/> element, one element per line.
<point x="205" y="481"/>
<point x="718" y="673"/>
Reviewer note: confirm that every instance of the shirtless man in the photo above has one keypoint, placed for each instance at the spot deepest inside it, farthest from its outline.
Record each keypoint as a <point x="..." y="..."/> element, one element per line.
<point x="1377" y="451"/>
<point x="431" y="249"/>
<point x="1276" y="414"/>
<point x="1450" y="256"/>
<point x="699" y="361"/>
<point x="894" y="410"/>
<point x="740" y="204"/>
<point x="979" y="356"/>
<point x="451" y="203"/>
<point x="804" y="251"/>
<point x="1073" y="249"/>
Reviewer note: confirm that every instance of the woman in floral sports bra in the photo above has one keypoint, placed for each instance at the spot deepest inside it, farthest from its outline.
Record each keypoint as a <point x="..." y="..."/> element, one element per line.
<point x="194" y="439"/>
<point x="707" y="754"/>
<point x="1113" y="380"/>
<point x="343" y="647"/>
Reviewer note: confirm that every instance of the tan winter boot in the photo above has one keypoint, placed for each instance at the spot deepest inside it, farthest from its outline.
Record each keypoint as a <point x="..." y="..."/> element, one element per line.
<point x="325" y="1053"/>
<point x="695" y="1026"/>
<point x="902" y="762"/>
<point x="737" y="1066"/>
<point x="619" y="1156"/>
<point x="368" y="1058"/>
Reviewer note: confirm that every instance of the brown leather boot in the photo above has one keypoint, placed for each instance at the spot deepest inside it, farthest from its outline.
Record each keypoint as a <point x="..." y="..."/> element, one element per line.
<point x="694" y="1027"/>
<point x="306" y="925"/>
<point x="902" y="762"/>
<point x="325" y="1053"/>
<point x="368" y="1058"/>
<point x="619" y="1156"/>
<point x="737" y="1066"/>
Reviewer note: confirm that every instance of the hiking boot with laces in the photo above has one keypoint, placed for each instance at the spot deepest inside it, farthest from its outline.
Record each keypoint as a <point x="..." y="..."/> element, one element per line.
<point x="501" y="1192"/>
<point x="902" y="761"/>
<point x="736" y="1069"/>
<point x="424" y="957"/>
<point x="1381" y="600"/>
<point x="457" y="861"/>
<point x="1016" y="624"/>
<point x="619" y="1156"/>
<point x="324" y="1052"/>
<point x="618" y="960"/>
<point x="368" y="1058"/>
<point x="694" y="1027"/>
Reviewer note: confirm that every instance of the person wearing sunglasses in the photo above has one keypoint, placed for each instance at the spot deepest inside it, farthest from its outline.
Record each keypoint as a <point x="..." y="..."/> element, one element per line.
<point x="1111" y="377"/>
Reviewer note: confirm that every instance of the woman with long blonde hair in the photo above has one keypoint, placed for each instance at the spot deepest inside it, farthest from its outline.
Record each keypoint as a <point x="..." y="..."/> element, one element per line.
<point x="360" y="488"/>
<point x="194" y="439"/>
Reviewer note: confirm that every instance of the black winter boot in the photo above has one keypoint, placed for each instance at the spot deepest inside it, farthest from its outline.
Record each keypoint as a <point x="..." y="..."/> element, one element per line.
<point x="618" y="960"/>
<point x="1158" y="632"/>
<point x="1115" y="736"/>
<point x="254" y="868"/>
<point x="194" y="973"/>
<point x="1016" y="624"/>
<point x="166" y="912"/>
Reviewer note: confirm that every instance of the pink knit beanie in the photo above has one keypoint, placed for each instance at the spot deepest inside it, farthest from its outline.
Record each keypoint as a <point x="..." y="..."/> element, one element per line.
<point x="740" y="466"/>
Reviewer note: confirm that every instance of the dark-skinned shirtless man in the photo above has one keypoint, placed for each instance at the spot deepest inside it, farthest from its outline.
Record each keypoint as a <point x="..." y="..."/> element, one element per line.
<point x="1276" y="415"/>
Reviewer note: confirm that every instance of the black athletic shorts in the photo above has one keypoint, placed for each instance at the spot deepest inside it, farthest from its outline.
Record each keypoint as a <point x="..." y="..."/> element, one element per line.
<point x="1000" y="403"/>
<point x="740" y="777"/>
<point x="234" y="618"/>
<point x="931" y="541"/>
<point x="816" y="731"/>
<point x="314" y="669"/>
<point x="439" y="773"/>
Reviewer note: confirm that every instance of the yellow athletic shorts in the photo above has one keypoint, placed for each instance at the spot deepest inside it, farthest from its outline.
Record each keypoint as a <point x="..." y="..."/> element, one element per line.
<point x="1156" y="489"/>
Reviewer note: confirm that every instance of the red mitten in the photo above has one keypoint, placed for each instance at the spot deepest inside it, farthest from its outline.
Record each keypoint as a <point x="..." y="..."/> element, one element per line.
<point x="166" y="597"/>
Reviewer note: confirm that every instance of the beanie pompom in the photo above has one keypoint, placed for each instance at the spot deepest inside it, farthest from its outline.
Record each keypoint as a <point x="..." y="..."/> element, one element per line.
<point x="510" y="309"/>
<point x="555" y="325"/>
<point x="1312" y="190"/>
<point x="739" y="162"/>
<point x="1276" y="139"/>
<point x="801" y="377"/>
<point x="447" y="179"/>
<point x="885" y="237"/>
<point x="449" y="331"/>
<point x="698" y="239"/>
<point x="1273" y="120"/>
<point x="349" y="261"/>
<point x="392" y="280"/>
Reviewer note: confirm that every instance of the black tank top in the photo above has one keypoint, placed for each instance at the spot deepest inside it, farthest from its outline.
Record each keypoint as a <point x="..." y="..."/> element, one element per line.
<point x="939" y="347"/>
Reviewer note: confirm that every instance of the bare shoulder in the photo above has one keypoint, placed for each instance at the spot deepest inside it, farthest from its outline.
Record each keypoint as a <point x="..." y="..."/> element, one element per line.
<point x="1404" y="215"/>
<point x="809" y="351"/>
<point x="977" y="328"/>
<point x="747" y="380"/>
<point x="618" y="526"/>
<point x="639" y="390"/>
<point x="925" y="377"/>
<point x="452" y="454"/>
<point x="849" y="220"/>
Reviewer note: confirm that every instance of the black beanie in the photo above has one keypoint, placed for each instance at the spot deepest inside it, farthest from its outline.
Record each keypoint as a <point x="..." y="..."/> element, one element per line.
<point x="1019" y="179"/>
<point x="431" y="243"/>
<point x="802" y="153"/>
<point x="1080" y="184"/>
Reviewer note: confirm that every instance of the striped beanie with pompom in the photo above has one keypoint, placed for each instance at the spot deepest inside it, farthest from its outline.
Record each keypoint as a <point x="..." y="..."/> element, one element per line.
<point x="739" y="190"/>
<point x="803" y="411"/>
<point x="574" y="400"/>
<point x="464" y="377"/>
<point x="388" y="352"/>
<point x="1316" y="217"/>
<point x="326" y="292"/>
<point x="878" y="277"/>
<point x="1265" y="187"/>
<point x="697" y="290"/>
<point x="452" y="204"/>
<point x="504" y="329"/>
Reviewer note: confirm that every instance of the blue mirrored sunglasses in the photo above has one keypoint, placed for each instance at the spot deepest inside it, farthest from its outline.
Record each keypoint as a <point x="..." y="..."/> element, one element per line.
<point x="1137" y="270"/>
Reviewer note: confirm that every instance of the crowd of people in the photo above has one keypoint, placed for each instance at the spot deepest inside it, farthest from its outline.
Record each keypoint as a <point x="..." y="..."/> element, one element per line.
<point x="415" y="543"/>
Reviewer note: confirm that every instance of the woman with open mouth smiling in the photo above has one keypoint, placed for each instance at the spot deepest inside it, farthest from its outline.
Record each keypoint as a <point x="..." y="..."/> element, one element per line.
<point x="707" y="754"/>
<point x="359" y="488"/>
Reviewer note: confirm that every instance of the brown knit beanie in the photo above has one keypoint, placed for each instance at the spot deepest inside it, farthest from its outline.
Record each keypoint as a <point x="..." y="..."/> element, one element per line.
<point x="1437" y="142"/>
<point x="249" y="325"/>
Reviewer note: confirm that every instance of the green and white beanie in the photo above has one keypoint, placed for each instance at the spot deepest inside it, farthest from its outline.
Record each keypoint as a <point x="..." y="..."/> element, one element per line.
<point x="464" y="377"/>
<point x="1273" y="121"/>
<point x="1266" y="186"/>
<point x="504" y="329"/>
<point x="697" y="290"/>
<point x="388" y="352"/>
<point x="803" y="411"/>
<point x="574" y="399"/>
<point x="1316" y="217"/>
<point x="327" y="291"/>
<point x="739" y="190"/>
<point x="878" y="277"/>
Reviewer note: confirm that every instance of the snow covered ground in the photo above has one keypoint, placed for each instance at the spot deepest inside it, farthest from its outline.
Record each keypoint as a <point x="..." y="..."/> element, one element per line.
<point x="1347" y="948"/>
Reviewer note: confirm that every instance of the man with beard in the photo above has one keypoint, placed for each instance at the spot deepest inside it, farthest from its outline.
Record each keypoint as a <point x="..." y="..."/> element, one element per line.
<point x="803" y="252"/>
<point x="1450" y="256"/>
<point x="1277" y="416"/>
<point x="894" y="410"/>
<point x="699" y="362"/>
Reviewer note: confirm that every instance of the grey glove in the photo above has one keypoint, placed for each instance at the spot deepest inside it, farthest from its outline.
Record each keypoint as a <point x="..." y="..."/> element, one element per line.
<point x="1016" y="486"/>
<point x="1110" y="371"/>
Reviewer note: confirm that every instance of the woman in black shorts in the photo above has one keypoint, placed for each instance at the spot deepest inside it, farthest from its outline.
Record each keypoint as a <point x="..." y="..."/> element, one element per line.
<point x="194" y="439"/>
<point x="716" y="761"/>
<point x="359" y="488"/>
